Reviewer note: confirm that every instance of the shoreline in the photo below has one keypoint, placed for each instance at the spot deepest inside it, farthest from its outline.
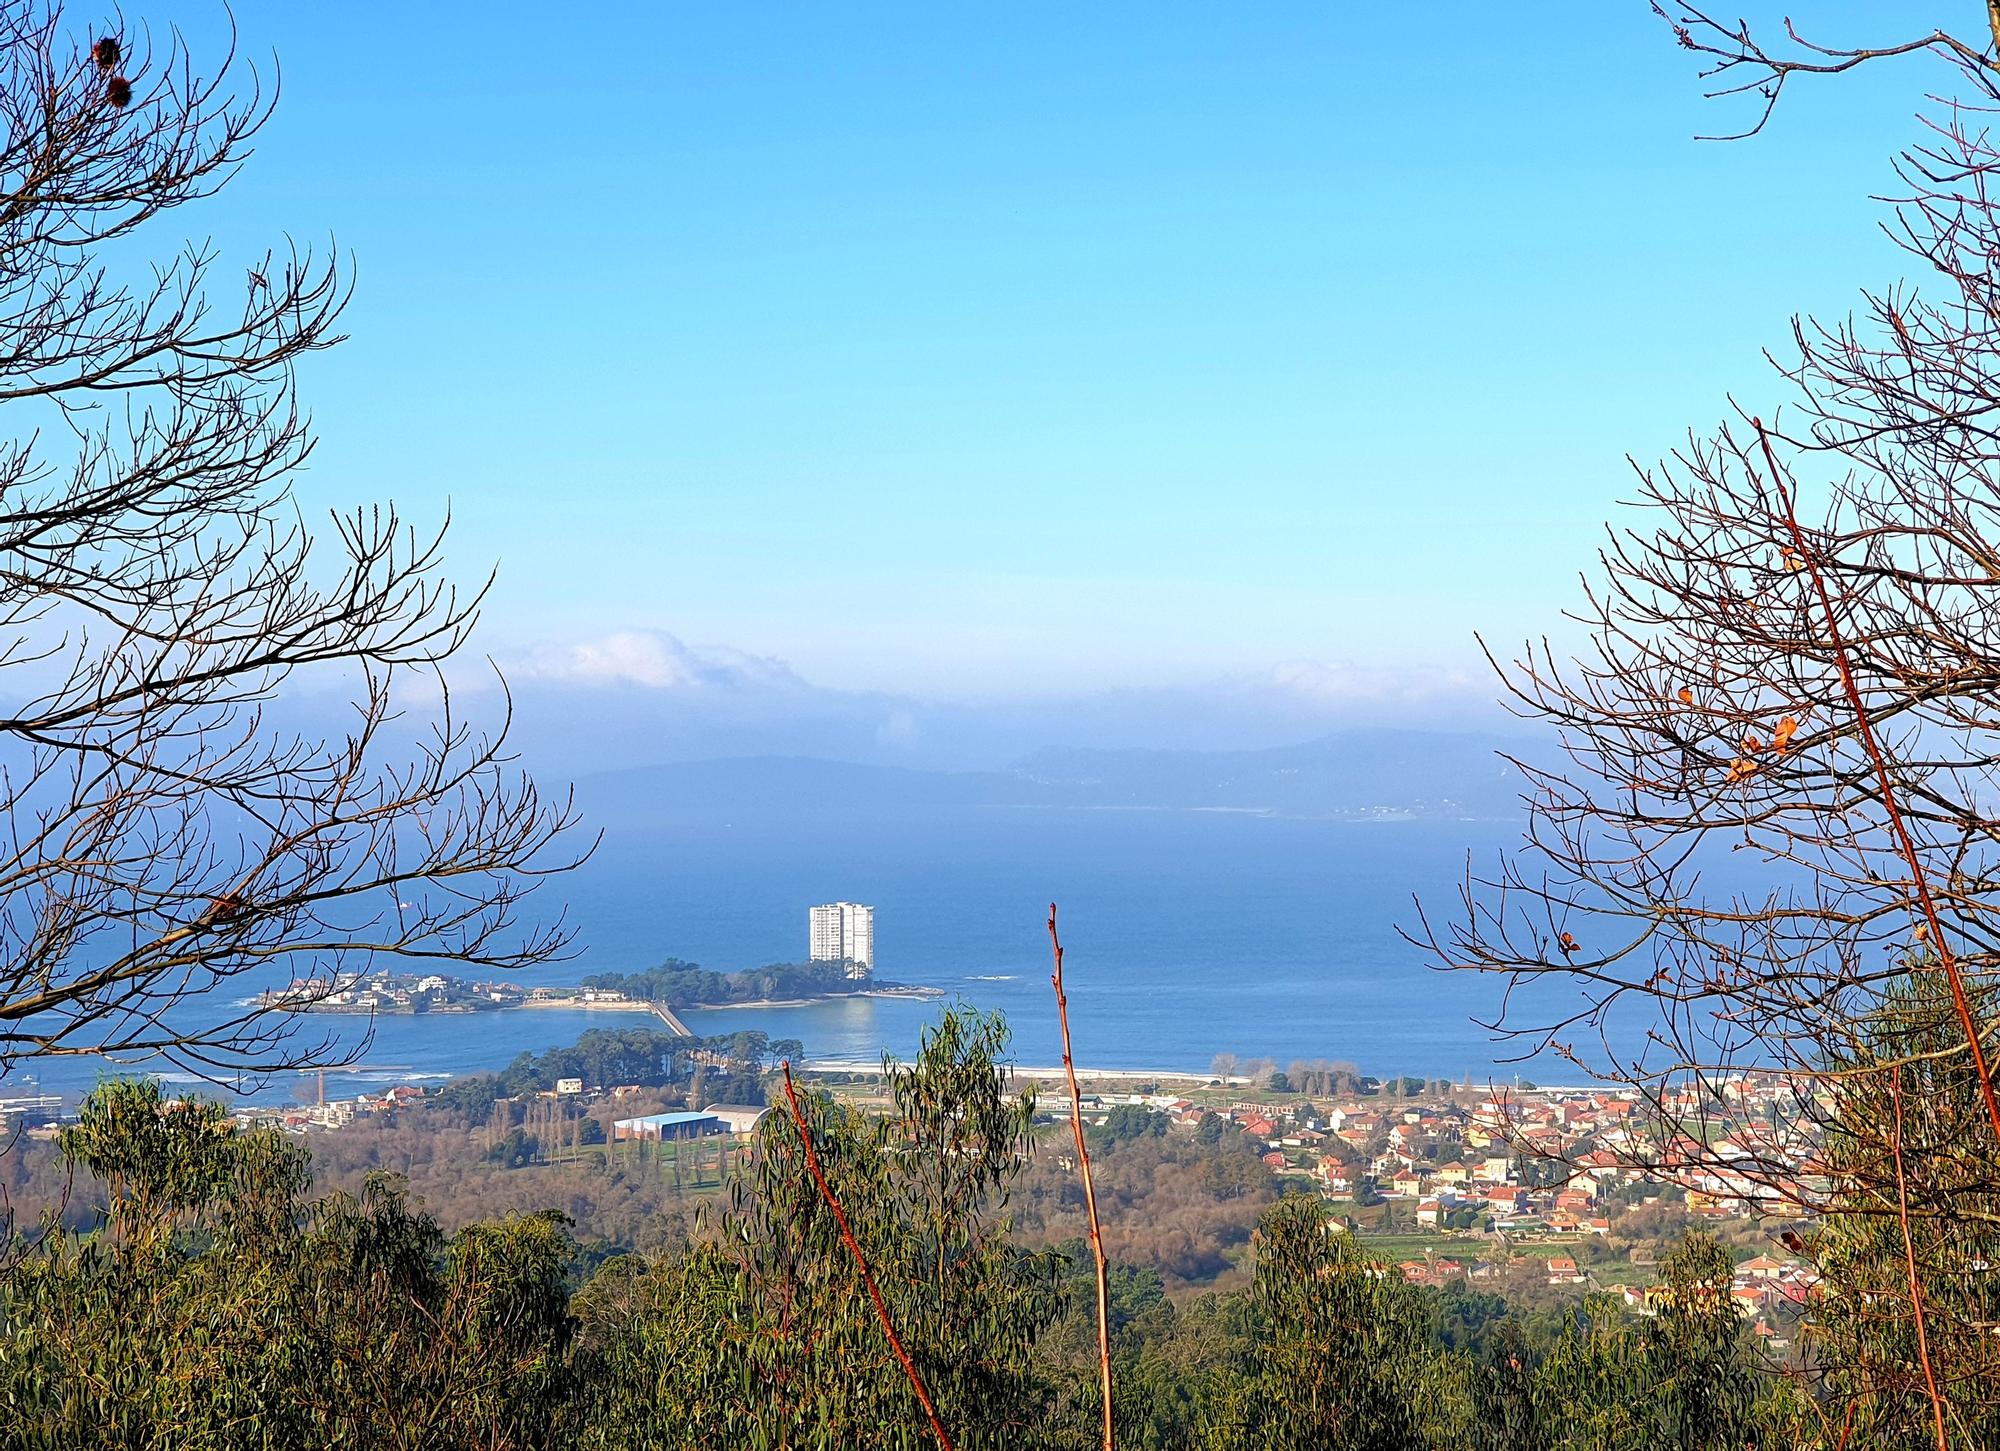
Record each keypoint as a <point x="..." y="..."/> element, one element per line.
<point x="628" y="1005"/>
<point x="1057" y="1074"/>
<point x="918" y="994"/>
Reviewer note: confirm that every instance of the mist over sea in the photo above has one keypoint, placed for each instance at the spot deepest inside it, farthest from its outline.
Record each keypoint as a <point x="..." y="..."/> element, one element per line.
<point x="1189" y="933"/>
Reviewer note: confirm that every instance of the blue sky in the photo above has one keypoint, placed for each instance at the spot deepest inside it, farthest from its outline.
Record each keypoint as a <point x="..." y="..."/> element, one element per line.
<point x="1020" y="352"/>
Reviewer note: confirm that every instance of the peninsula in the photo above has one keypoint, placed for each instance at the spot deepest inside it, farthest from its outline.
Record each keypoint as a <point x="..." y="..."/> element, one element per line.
<point x="673" y="985"/>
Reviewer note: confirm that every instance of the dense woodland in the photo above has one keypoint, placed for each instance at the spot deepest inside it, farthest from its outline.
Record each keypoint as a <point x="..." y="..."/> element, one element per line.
<point x="1790" y="660"/>
<point x="688" y="984"/>
<point x="725" y="1069"/>
<point x="218" y="1299"/>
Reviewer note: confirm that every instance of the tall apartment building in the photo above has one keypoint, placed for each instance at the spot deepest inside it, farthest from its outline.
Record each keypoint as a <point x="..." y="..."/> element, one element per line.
<point x="844" y="932"/>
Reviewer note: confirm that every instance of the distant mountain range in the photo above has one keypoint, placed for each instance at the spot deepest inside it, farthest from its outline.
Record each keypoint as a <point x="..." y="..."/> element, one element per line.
<point x="1359" y="773"/>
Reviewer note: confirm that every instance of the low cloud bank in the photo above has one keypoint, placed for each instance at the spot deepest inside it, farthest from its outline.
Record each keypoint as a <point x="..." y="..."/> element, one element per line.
<point x="636" y="698"/>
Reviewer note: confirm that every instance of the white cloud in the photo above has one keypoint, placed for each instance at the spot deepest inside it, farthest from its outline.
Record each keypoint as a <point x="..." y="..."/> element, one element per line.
<point x="656" y="660"/>
<point x="635" y="697"/>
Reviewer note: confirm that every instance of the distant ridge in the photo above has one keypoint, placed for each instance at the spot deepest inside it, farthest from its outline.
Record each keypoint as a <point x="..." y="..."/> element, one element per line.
<point x="1362" y="774"/>
<point x="764" y="785"/>
<point x="1367" y="772"/>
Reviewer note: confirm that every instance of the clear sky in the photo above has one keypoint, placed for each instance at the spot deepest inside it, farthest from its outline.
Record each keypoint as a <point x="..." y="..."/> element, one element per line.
<point x="987" y="352"/>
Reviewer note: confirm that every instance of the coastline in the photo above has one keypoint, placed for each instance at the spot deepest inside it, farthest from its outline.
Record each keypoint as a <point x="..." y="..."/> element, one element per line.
<point x="626" y="1005"/>
<point x="919" y="994"/>
<point x="1057" y="1074"/>
<point x="451" y="1011"/>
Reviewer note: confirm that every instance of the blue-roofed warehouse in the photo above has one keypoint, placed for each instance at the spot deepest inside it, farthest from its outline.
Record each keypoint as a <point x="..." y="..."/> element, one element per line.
<point x="668" y="1126"/>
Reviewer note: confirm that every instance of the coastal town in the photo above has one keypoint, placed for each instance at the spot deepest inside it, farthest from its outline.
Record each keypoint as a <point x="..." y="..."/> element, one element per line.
<point x="394" y="992"/>
<point x="1559" y="1185"/>
<point x="1556" y="1192"/>
<point x="1535" y="1192"/>
<point x="1542" y="1194"/>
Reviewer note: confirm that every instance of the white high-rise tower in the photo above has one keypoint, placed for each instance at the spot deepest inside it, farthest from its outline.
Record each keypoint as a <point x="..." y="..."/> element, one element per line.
<point x="844" y="932"/>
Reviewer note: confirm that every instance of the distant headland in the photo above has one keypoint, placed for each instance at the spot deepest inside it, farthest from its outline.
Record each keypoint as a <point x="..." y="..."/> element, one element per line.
<point x="672" y="985"/>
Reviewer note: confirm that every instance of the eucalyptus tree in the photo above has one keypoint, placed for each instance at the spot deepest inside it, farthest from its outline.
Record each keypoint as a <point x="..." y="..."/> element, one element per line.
<point x="765" y="1334"/>
<point x="1343" y="1356"/>
<point x="1771" y="836"/>
<point x="218" y="1307"/>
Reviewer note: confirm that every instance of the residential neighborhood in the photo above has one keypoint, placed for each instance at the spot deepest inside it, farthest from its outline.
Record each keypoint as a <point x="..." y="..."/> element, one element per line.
<point x="1565" y="1178"/>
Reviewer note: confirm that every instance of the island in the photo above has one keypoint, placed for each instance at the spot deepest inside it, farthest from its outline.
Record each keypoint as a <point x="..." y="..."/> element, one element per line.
<point x="672" y="985"/>
<point x="389" y="992"/>
<point x="678" y="984"/>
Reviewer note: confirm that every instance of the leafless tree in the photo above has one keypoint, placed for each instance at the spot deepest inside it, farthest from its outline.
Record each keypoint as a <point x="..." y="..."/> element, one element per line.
<point x="160" y="832"/>
<point x="1791" y="683"/>
<point x="1744" y="61"/>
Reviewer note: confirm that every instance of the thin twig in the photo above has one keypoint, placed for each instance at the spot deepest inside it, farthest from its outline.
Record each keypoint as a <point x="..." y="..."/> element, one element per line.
<point x="1089" y="1189"/>
<point x="1910" y="1253"/>
<point x="1919" y="882"/>
<point x="861" y="1262"/>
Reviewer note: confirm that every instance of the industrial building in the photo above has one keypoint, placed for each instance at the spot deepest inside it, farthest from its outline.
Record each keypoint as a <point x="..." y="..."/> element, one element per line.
<point x="683" y="1125"/>
<point x="739" y="1118"/>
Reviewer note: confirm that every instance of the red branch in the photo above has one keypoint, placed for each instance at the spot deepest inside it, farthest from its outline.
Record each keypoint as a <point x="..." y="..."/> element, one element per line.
<point x="1089" y="1189"/>
<point x="1910" y="1252"/>
<point x="861" y="1262"/>
<point x="1918" y="882"/>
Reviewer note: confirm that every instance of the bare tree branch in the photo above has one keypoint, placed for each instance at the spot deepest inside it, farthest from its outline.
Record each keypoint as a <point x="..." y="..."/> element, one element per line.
<point x="160" y="594"/>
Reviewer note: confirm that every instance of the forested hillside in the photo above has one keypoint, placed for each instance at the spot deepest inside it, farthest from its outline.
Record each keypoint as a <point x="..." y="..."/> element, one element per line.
<point x="222" y="1303"/>
<point x="245" y="756"/>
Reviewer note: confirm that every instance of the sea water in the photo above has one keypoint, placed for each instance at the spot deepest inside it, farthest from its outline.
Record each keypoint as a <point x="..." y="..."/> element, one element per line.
<point x="1188" y="934"/>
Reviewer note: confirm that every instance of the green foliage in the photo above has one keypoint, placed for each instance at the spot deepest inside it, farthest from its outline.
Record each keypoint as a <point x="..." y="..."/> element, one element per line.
<point x="687" y="984"/>
<point x="1862" y="1331"/>
<point x="766" y="1337"/>
<point x="605" y="1057"/>
<point x="519" y="1148"/>
<point x="1344" y="1353"/>
<point x="1133" y="1290"/>
<point x="1128" y="1121"/>
<point x="218" y="1308"/>
<point x="1703" y="1390"/>
<point x="164" y="1163"/>
<point x="1684" y="1378"/>
<point x="1176" y="1366"/>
